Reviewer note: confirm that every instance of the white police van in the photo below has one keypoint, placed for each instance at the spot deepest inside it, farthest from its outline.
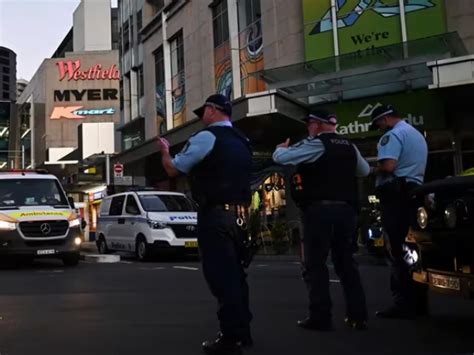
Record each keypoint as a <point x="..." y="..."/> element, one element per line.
<point x="37" y="220"/>
<point x="146" y="222"/>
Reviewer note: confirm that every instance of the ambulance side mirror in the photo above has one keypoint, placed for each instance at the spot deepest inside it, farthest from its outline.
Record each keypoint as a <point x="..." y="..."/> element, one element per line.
<point x="71" y="201"/>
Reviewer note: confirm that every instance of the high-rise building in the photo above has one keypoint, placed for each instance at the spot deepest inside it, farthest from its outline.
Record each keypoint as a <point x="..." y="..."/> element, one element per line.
<point x="7" y="74"/>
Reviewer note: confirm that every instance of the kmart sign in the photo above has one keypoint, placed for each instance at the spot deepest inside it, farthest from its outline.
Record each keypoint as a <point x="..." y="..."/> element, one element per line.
<point x="423" y="109"/>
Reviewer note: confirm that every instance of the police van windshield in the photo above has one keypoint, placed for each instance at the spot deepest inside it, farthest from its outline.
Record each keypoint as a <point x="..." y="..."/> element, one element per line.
<point x="31" y="192"/>
<point x="166" y="203"/>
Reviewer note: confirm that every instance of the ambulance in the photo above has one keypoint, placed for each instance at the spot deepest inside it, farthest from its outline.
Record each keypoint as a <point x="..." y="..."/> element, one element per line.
<point x="37" y="220"/>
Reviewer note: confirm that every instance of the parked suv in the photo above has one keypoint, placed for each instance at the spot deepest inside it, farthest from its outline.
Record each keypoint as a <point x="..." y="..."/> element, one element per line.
<point x="442" y="237"/>
<point x="36" y="218"/>
<point x="145" y="222"/>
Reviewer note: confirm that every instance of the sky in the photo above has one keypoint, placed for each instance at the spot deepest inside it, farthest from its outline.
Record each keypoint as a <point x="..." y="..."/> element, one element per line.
<point x="33" y="29"/>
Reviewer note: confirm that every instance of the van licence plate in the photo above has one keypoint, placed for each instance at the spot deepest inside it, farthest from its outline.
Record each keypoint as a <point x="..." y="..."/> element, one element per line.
<point x="45" y="252"/>
<point x="448" y="282"/>
<point x="190" y="244"/>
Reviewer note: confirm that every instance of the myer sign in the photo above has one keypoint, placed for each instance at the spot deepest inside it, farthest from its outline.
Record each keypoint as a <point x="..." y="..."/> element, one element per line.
<point x="423" y="109"/>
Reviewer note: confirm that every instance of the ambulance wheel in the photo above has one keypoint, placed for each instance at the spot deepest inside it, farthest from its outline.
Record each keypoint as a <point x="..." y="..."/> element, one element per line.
<point x="142" y="250"/>
<point x="102" y="245"/>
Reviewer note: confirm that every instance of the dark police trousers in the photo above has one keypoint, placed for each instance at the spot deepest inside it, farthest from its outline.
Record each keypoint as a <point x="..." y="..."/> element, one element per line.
<point x="395" y="208"/>
<point x="330" y="225"/>
<point x="220" y="245"/>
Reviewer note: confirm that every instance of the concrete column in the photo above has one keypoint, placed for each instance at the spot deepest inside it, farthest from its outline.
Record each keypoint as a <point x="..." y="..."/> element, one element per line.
<point x="232" y="11"/>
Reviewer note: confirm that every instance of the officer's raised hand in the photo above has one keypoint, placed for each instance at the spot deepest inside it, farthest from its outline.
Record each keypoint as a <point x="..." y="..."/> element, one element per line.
<point x="285" y="144"/>
<point x="163" y="144"/>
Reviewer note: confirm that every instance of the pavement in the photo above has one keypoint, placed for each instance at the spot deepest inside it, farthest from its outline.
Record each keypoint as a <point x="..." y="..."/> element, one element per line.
<point x="165" y="308"/>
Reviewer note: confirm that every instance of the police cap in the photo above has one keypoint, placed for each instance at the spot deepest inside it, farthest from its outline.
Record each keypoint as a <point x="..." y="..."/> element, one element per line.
<point x="219" y="102"/>
<point x="321" y="115"/>
<point x="381" y="112"/>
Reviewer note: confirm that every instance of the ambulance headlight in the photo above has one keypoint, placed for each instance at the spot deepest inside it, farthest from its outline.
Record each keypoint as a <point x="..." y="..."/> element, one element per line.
<point x="422" y="217"/>
<point x="77" y="241"/>
<point x="74" y="223"/>
<point x="450" y="217"/>
<point x="157" y="224"/>
<point x="7" y="226"/>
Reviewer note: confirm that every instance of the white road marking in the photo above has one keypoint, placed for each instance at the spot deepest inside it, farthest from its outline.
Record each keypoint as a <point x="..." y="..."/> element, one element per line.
<point x="261" y="265"/>
<point x="126" y="262"/>
<point x="185" y="268"/>
<point x="335" y="281"/>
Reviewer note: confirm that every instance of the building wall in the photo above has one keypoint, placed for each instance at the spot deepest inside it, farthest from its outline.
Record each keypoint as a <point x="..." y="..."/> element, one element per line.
<point x="92" y="26"/>
<point x="460" y="14"/>
<point x="282" y="32"/>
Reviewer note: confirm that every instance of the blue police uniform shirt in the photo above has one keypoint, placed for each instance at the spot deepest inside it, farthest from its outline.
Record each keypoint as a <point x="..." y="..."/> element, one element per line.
<point x="197" y="148"/>
<point x="308" y="151"/>
<point x="408" y="146"/>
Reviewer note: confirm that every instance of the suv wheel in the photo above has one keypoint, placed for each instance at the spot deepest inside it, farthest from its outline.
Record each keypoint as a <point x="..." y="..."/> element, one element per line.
<point x="102" y="245"/>
<point x="142" y="250"/>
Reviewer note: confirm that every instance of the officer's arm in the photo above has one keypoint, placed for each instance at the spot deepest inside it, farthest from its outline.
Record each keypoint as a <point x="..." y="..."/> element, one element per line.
<point x="195" y="150"/>
<point x="306" y="151"/>
<point x="166" y="159"/>
<point x="390" y="148"/>
<point x="362" y="167"/>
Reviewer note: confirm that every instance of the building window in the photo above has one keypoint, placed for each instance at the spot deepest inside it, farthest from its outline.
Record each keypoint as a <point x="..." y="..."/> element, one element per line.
<point x="141" y="85"/>
<point x="250" y="45"/>
<point x="6" y="95"/>
<point x="125" y="36"/>
<point x="139" y="20"/>
<point x="4" y="61"/>
<point x="131" y="31"/>
<point x="222" y="54"/>
<point x="6" y="70"/>
<point x="178" y="79"/>
<point x="6" y="86"/>
<point x="160" y="91"/>
<point x="6" y="78"/>
<point x="121" y="94"/>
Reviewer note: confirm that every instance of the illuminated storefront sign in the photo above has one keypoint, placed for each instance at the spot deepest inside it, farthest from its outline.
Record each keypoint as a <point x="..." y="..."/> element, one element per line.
<point x="89" y="94"/>
<point x="78" y="112"/>
<point x="71" y="70"/>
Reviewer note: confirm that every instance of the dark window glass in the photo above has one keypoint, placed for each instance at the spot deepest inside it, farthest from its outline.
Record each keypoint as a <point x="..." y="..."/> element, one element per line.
<point x="6" y="70"/>
<point x="132" y="206"/>
<point x="220" y="22"/>
<point x="131" y="31"/>
<point x="31" y="192"/>
<point x="6" y="95"/>
<point x="141" y="85"/>
<point x="166" y="203"/>
<point x="139" y="20"/>
<point x="4" y="61"/>
<point x="6" y="86"/>
<point x="116" y="206"/>
<point x="125" y="36"/>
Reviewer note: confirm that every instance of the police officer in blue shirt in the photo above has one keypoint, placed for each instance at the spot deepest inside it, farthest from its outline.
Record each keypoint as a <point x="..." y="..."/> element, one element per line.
<point x="402" y="157"/>
<point x="325" y="188"/>
<point x="218" y="163"/>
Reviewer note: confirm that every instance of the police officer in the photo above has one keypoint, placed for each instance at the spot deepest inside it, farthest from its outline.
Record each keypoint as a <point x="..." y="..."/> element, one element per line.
<point x="326" y="191"/>
<point x="402" y="156"/>
<point x="218" y="161"/>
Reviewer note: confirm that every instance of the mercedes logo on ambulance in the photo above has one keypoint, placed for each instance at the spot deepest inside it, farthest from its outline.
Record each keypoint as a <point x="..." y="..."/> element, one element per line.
<point x="45" y="228"/>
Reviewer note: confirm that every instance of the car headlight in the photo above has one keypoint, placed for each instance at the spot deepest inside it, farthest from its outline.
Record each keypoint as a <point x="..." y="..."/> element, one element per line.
<point x="450" y="217"/>
<point x="74" y="223"/>
<point x="7" y="226"/>
<point x="156" y="224"/>
<point x="422" y="217"/>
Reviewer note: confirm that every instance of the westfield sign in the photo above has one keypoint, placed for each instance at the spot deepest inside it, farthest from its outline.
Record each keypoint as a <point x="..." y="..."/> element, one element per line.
<point x="71" y="70"/>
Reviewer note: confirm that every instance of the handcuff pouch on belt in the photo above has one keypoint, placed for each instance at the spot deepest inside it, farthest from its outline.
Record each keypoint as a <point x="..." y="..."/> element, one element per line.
<point x="250" y="245"/>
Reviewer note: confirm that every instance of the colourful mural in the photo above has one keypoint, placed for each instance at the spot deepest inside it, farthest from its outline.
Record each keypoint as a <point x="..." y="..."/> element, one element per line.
<point x="179" y="99"/>
<point x="223" y="69"/>
<point x="251" y="58"/>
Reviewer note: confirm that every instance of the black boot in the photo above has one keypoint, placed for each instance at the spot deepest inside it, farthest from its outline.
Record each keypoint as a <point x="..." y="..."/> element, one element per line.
<point x="396" y="312"/>
<point x="222" y="346"/>
<point x="312" y="324"/>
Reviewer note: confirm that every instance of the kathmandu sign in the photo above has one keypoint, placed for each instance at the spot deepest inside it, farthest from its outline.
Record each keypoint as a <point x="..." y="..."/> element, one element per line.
<point x="71" y="70"/>
<point x="78" y="112"/>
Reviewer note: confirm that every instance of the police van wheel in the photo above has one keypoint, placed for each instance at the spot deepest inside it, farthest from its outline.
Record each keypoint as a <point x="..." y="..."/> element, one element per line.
<point x="142" y="249"/>
<point x="102" y="245"/>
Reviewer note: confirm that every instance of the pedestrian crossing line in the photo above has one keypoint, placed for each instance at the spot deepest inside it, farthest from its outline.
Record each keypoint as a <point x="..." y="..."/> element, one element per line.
<point x="185" y="268"/>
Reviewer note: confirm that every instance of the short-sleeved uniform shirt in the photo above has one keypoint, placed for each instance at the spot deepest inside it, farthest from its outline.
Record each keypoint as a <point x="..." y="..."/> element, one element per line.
<point x="196" y="149"/>
<point x="408" y="147"/>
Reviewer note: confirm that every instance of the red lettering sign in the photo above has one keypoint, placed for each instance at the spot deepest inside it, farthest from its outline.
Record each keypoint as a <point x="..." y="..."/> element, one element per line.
<point x="71" y="69"/>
